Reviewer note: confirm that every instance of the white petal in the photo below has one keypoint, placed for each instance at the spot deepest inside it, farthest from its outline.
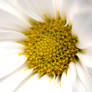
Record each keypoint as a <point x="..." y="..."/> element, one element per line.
<point x="64" y="77"/>
<point x="10" y="60"/>
<point x="10" y="48"/>
<point x="78" y="86"/>
<point x="72" y="72"/>
<point x="10" y="63"/>
<point x="67" y="7"/>
<point x="14" y="9"/>
<point x="71" y="7"/>
<point x="90" y="1"/>
<point x="9" y="35"/>
<point x="82" y="25"/>
<point x="79" y="13"/>
<point x="12" y="82"/>
<point x="42" y="84"/>
<point x="32" y="84"/>
<point x="9" y="21"/>
<point x="89" y="70"/>
<point x="38" y="7"/>
<point x="84" y="77"/>
<point x="86" y="58"/>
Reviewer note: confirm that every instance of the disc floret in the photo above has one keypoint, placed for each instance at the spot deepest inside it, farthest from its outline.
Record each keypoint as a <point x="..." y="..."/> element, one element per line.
<point x="50" y="46"/>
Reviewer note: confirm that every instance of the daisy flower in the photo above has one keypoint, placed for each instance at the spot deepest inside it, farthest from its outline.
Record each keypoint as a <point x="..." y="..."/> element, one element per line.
<point x="46" y="40"/>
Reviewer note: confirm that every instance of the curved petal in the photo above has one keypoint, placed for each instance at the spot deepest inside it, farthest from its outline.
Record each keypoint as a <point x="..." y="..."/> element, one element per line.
<point x="78" y="12"/>
<point x="9" y="64"/>
<point x="67" y="7"/>
<point x="82" y="26"/>
<point x="66" y="84"/>
<point x="82" y="23"/>
<point x="14" y="9"/>
<point x="14" y="80"/>
<point x="86" y="58"/>
<point x="31" y="84"/>
<point x="72" y="72"/>
<point x="89" y="70"/>
<point x="71" y="7"/>
<point x="9" y="58"/>
<point x="10" y="48"/>
<point x="84" y="77"/>
<point x="90" y="1"/>
<point x="9" y="21"/>
<point x="8" y="35"/>
<point x="37" y="7"/>
<point x="78" y="86"/>
<point x="35" y="85"/>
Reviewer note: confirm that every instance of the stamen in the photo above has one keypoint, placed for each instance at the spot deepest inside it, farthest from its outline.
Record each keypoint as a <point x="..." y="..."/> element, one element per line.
<point x="60" y="84"/>
<point x="46" y="18"/>
<point x="58" y="15"/>
<point x="50" y="80"/>
<point x="50" y="46"/>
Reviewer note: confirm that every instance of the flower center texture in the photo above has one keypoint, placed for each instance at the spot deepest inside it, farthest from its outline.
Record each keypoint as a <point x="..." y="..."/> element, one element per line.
<point x="50" y="46"/>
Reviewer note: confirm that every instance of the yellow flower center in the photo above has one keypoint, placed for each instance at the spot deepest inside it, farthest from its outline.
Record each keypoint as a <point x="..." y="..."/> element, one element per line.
<point x="50" y="46"/>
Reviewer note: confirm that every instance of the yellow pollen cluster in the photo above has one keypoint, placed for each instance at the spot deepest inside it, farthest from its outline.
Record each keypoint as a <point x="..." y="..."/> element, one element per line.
<point x="50" y="47"/>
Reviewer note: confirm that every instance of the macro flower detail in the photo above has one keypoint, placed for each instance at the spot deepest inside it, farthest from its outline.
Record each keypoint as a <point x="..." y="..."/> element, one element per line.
<point x="50" y="46"/>
<point x="51" y="39"/>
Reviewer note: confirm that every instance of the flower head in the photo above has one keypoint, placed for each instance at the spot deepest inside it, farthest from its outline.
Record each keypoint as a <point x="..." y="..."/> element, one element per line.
<point x="54" y="38"/>
<point x="50" y="46"/>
